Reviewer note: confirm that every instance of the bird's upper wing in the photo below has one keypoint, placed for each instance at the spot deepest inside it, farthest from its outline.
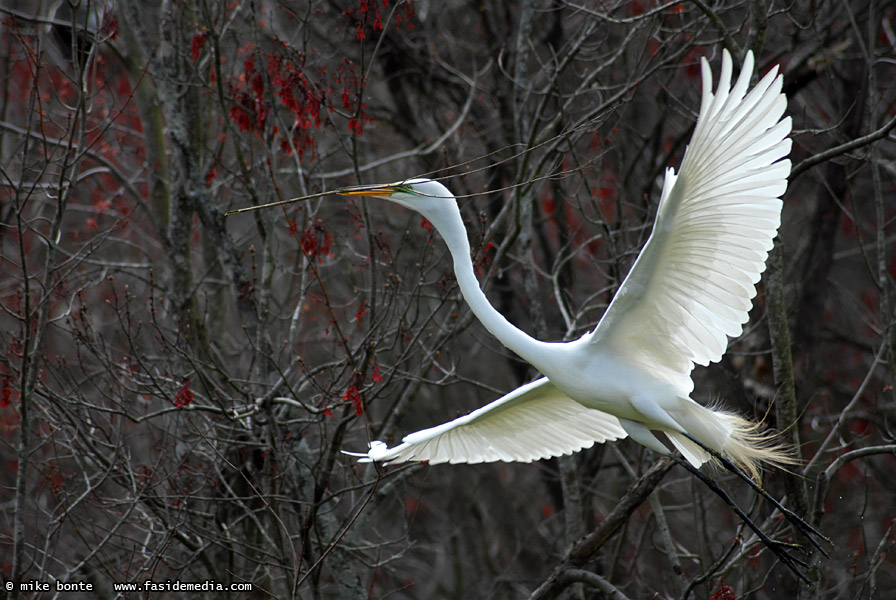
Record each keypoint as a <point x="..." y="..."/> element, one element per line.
<point x="534" y="421"/>
<point x="693" y="283"/>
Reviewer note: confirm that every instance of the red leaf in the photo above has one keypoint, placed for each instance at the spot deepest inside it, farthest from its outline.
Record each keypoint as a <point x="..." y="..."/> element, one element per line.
<point x="184" y="396"/>
<point x="110" y="26"/>
<point x="723" y="593"/>
<point x="354" y="396"/>
<point x="316" y="241"/>
<point x="409" y="13"/>
<point x="362" y="310"/>
<point x="241" y="117"/>
<point x="196" y="45"/>
<point x="5" y="391"/>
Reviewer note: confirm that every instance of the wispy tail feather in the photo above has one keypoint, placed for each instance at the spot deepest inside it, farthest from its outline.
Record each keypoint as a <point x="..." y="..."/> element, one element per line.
<point x="750" y="446"/>
<point x="747" y="444"/>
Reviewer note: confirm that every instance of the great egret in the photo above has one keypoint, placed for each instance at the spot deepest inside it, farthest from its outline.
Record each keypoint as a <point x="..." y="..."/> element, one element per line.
<point x="688" y="291"/>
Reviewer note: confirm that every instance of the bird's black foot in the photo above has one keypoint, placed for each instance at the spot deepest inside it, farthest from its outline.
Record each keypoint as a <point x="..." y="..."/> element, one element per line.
<point x="782" y="550"/>
<point x="803" y="526"/>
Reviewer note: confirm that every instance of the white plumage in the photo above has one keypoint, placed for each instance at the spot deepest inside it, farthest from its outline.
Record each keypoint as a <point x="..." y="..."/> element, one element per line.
<point x="532" y="422"/>
<point x="689" y="290"/>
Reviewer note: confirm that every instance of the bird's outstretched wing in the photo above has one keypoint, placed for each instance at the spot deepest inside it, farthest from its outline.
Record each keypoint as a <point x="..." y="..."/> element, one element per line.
<point x="693" y="283"/>
<point x="532" y="422"/>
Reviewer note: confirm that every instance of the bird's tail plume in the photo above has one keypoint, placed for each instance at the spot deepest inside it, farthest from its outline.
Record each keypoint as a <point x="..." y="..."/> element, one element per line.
<point x="748" y="445"/>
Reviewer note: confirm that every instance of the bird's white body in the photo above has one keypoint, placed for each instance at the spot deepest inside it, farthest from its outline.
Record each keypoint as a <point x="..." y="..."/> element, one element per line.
<point x="689" y="290"/>
<point x="606" y="381"/>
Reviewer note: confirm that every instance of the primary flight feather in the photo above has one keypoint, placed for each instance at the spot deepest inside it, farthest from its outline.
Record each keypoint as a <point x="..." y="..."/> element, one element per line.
<point x="689" y="290"/>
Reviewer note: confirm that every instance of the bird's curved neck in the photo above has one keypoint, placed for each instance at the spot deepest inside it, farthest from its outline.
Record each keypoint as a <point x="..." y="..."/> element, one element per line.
<point x="517" y="340"/>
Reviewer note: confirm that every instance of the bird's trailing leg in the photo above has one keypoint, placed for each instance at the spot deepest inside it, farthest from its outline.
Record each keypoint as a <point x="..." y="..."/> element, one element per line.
<point x="797" y="521"/>
<point x="642" y="434"/>
<point x="779" y="549"/>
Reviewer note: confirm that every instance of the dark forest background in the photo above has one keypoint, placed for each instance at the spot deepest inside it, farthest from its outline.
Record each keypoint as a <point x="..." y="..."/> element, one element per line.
<point x="176" y="387"/>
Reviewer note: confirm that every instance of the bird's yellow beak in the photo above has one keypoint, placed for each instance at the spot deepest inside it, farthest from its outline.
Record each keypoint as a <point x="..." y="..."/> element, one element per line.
<point x="368" y="190"/>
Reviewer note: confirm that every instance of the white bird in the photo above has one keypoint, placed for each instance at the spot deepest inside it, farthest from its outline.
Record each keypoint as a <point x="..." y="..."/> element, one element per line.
<point x="689" y="290"/>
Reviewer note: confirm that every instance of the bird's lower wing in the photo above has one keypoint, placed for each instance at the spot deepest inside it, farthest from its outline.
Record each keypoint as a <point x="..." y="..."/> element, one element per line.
<point x="532" y="422"/>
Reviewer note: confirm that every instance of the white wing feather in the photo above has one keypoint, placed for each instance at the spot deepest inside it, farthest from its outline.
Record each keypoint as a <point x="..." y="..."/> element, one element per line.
<point x="532" y="422"/>
<point x="693" y="283"/>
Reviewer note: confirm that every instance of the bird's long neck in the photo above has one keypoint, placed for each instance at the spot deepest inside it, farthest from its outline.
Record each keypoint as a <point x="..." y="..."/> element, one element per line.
<point x="517" y="340"/>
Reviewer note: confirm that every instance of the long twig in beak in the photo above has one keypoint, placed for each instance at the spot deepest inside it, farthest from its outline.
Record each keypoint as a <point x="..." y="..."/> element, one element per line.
<point x="237" y="211"/>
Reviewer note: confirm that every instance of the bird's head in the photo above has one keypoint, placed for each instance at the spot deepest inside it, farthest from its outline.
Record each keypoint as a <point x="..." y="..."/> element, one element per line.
<point x="429" y="198"/>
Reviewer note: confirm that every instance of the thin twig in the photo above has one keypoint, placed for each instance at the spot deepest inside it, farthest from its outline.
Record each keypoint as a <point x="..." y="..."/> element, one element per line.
<point x="841" y="149"/>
